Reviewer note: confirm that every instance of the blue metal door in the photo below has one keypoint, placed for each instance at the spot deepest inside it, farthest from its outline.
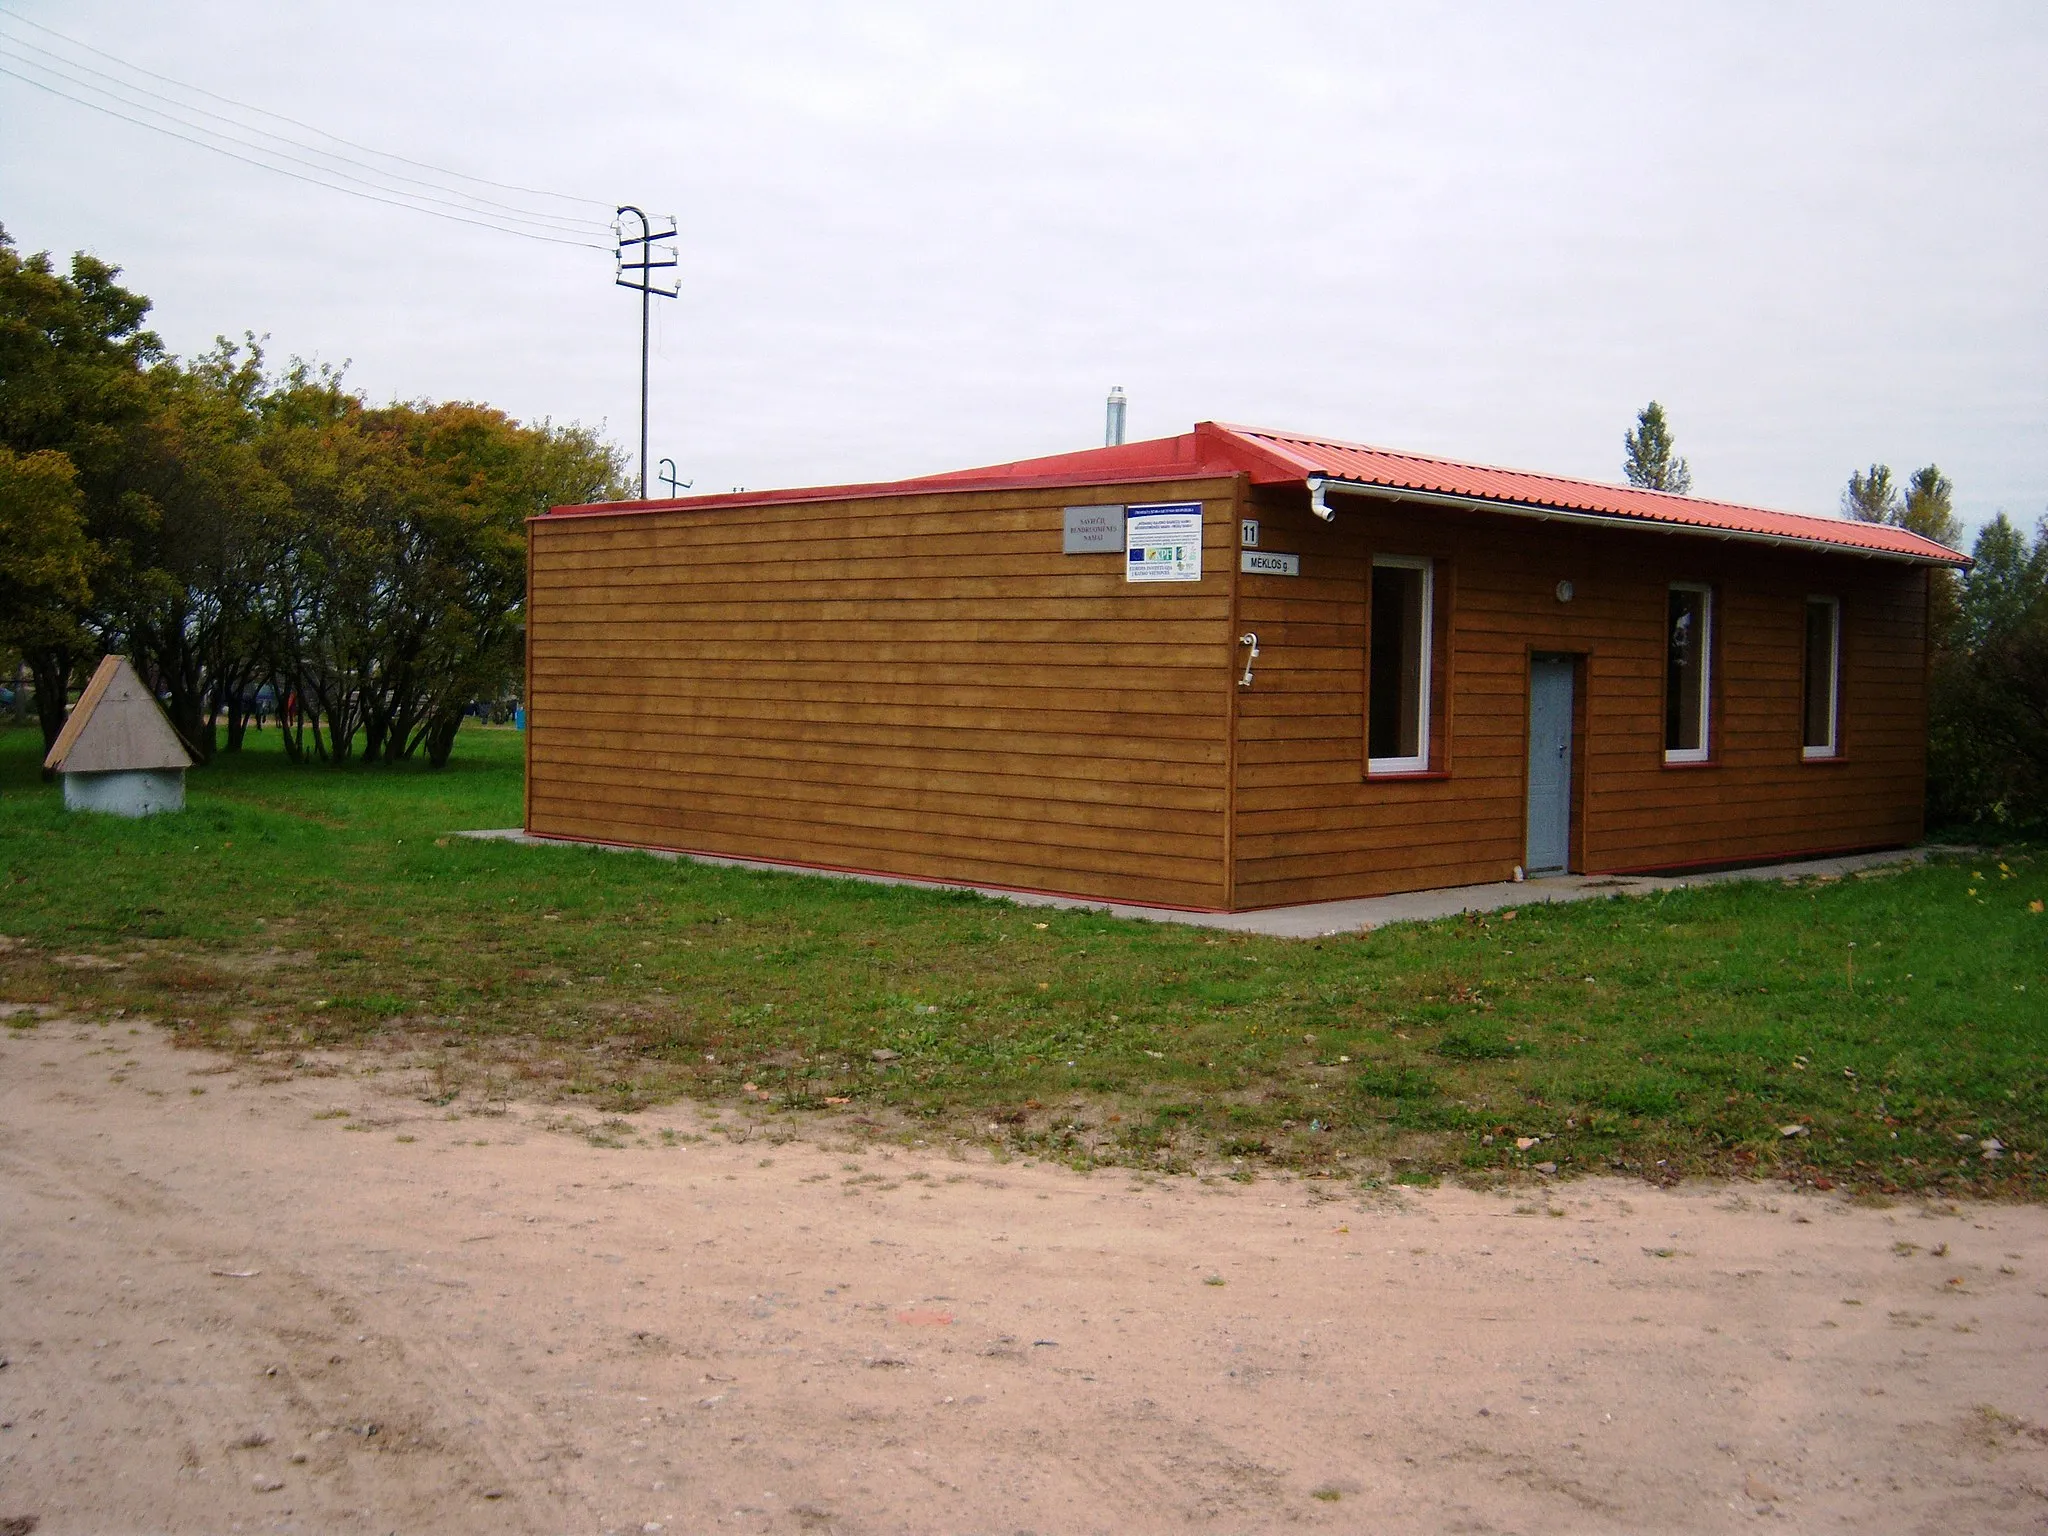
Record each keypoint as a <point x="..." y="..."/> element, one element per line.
<point x="1550" y="764"/>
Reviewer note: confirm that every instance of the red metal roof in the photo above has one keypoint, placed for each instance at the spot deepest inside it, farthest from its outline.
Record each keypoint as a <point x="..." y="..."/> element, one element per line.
<point x="1279" y="458"/>
<point x="1355" y="464"/>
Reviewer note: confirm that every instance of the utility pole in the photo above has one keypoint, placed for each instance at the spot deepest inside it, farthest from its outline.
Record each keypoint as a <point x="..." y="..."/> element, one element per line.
<point x="639" y="276"/>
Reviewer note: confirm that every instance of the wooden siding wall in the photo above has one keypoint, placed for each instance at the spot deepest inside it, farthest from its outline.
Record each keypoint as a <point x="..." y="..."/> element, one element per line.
<point x="1311" y="827"/>
<point x="922" y="686"/>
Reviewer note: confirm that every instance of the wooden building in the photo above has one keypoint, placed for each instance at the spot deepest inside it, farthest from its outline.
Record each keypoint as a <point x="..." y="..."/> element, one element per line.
<point x="1229" y="669"/>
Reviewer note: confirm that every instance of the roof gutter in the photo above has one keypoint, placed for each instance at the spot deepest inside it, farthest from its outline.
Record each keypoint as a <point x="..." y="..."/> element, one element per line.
<point x="1320" y="486"/>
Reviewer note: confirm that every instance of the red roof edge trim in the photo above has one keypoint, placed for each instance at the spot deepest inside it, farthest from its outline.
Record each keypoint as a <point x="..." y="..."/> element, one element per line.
<point x="1190" y="456"/>
<point x="1155" y="475"/>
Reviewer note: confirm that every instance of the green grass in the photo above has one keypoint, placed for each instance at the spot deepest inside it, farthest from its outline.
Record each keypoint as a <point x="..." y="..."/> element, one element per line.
<point x="1901" y="1017"/>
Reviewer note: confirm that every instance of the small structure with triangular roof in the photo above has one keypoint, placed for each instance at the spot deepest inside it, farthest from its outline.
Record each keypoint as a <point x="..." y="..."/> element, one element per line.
<point x="119" y="752"/>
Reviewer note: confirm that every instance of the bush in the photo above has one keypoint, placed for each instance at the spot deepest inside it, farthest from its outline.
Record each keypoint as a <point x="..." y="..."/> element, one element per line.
<point x="1987" y="764"/>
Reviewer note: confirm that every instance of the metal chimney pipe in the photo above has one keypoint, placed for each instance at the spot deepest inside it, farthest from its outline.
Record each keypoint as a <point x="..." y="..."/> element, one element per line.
<point x="1113" y="429"/>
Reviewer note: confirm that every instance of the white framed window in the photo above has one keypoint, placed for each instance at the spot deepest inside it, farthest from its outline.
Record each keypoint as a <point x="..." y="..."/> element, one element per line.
<point x="1688" y="673"/>
<point x="1823" y="702"/>
<point x="1402" y="635"/>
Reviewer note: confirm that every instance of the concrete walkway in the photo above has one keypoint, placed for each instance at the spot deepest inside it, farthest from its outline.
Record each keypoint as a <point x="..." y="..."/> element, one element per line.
<point x="1313" y="920"/>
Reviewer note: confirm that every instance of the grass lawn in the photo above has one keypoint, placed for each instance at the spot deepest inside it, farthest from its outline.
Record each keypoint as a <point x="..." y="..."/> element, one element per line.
<point x="1900" y="1018"/>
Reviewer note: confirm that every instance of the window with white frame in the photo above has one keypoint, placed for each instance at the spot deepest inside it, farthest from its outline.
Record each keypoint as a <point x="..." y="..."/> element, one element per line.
<point x="1688" y="673"/>
<point x="1397" y="681"/>
<point x="1823" y="704"/>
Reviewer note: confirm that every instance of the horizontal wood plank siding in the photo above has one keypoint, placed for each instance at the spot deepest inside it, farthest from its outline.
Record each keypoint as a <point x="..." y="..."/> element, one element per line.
<point x="920" y="686"/>
<point x="1311" y="826"/>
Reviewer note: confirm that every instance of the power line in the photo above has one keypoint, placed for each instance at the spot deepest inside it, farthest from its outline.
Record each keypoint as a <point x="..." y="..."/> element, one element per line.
<point x="69" y="72"/>
<point x="510" y="222"/>
<point x="294" y="122"/>
<point x="440" y="192"/>
<point x="395" y="202"/>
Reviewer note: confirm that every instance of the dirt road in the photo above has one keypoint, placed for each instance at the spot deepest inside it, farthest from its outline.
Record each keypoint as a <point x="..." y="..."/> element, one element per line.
<point x="226" y="1305"/>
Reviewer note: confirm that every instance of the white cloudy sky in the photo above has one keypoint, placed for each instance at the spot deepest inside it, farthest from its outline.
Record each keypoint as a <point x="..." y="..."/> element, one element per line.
<point x="923" y="236"/>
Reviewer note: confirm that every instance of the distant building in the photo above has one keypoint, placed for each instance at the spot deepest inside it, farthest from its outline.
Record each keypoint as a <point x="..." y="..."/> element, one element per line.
<point x="118" y="752"/>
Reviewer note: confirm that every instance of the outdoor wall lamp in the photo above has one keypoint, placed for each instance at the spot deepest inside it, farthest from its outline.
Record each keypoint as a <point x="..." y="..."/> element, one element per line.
<point x="1253" y="642"/>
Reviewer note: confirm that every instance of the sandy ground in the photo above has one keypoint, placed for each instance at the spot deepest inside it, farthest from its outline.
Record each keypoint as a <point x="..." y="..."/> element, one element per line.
<point x="224" y="1307"/>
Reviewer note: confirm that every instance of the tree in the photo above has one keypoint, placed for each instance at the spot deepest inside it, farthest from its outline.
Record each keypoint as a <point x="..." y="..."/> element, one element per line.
<point x="396" y="597"/>
<point x="184" y="603"/>
<point x="1647" y="458"/>
<point x="229" y="527"/>
<point x="1929" y="509"/>
<point x="46" y="561"/>
<point x="1988" y="732"/>
<point x="1925" y="507"/>
<point x="72" y="355"/>
<point x="1872" y="497"/>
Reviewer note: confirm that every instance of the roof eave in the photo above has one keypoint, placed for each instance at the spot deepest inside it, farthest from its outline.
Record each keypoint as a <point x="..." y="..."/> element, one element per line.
<point x="1951" y="560"/>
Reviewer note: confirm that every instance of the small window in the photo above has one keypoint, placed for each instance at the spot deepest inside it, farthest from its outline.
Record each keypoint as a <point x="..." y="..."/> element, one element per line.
<point x="1397" y="685"/>
<point x="1823" y="677"/>
<point x="1688" y="681"/>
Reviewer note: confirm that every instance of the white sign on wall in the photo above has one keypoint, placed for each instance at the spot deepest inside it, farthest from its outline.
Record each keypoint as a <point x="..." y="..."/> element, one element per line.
<point x="1267" y="563"/>
<point x="1163" y="542"/>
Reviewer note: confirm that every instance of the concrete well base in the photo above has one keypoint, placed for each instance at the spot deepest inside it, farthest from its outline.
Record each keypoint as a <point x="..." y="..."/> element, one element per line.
<point x="140" y="793"/>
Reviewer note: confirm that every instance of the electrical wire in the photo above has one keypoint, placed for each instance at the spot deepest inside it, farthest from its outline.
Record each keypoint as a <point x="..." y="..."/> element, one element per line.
<point x="395" y="202"/>
<point x="332" y="171"/>
<point x="67" y="71"/>
<point x="423" y="202"/>
<point x="231" y="101"/>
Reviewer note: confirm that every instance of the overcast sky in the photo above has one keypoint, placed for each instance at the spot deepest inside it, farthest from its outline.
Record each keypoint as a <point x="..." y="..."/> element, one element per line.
<point x="919" y="237"/>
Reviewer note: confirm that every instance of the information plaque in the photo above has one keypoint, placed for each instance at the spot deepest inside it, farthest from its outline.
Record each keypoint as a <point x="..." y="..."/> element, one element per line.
<point x="1163" y="542"/>
<point x="1094" y="530"/>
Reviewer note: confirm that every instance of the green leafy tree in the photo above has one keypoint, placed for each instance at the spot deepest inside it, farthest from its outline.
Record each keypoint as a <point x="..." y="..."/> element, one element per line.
<point x="1988" y="732"/>
<point x="486" y="475"/>
<point x="228" y="527"/>
<point x="185" y="602"/>
<point x="46" y="561"/>
<point x="398" y="592"/>
<point x="1872" y="497"/>
<point x="72" y="357"/>
<point x="1925" y="506"/>
<point x="1928" y="507"/>
<point x="1648" y="458"/>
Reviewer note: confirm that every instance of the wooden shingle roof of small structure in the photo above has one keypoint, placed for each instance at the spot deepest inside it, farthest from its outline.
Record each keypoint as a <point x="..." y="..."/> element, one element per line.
<point x="117" y="726"/>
